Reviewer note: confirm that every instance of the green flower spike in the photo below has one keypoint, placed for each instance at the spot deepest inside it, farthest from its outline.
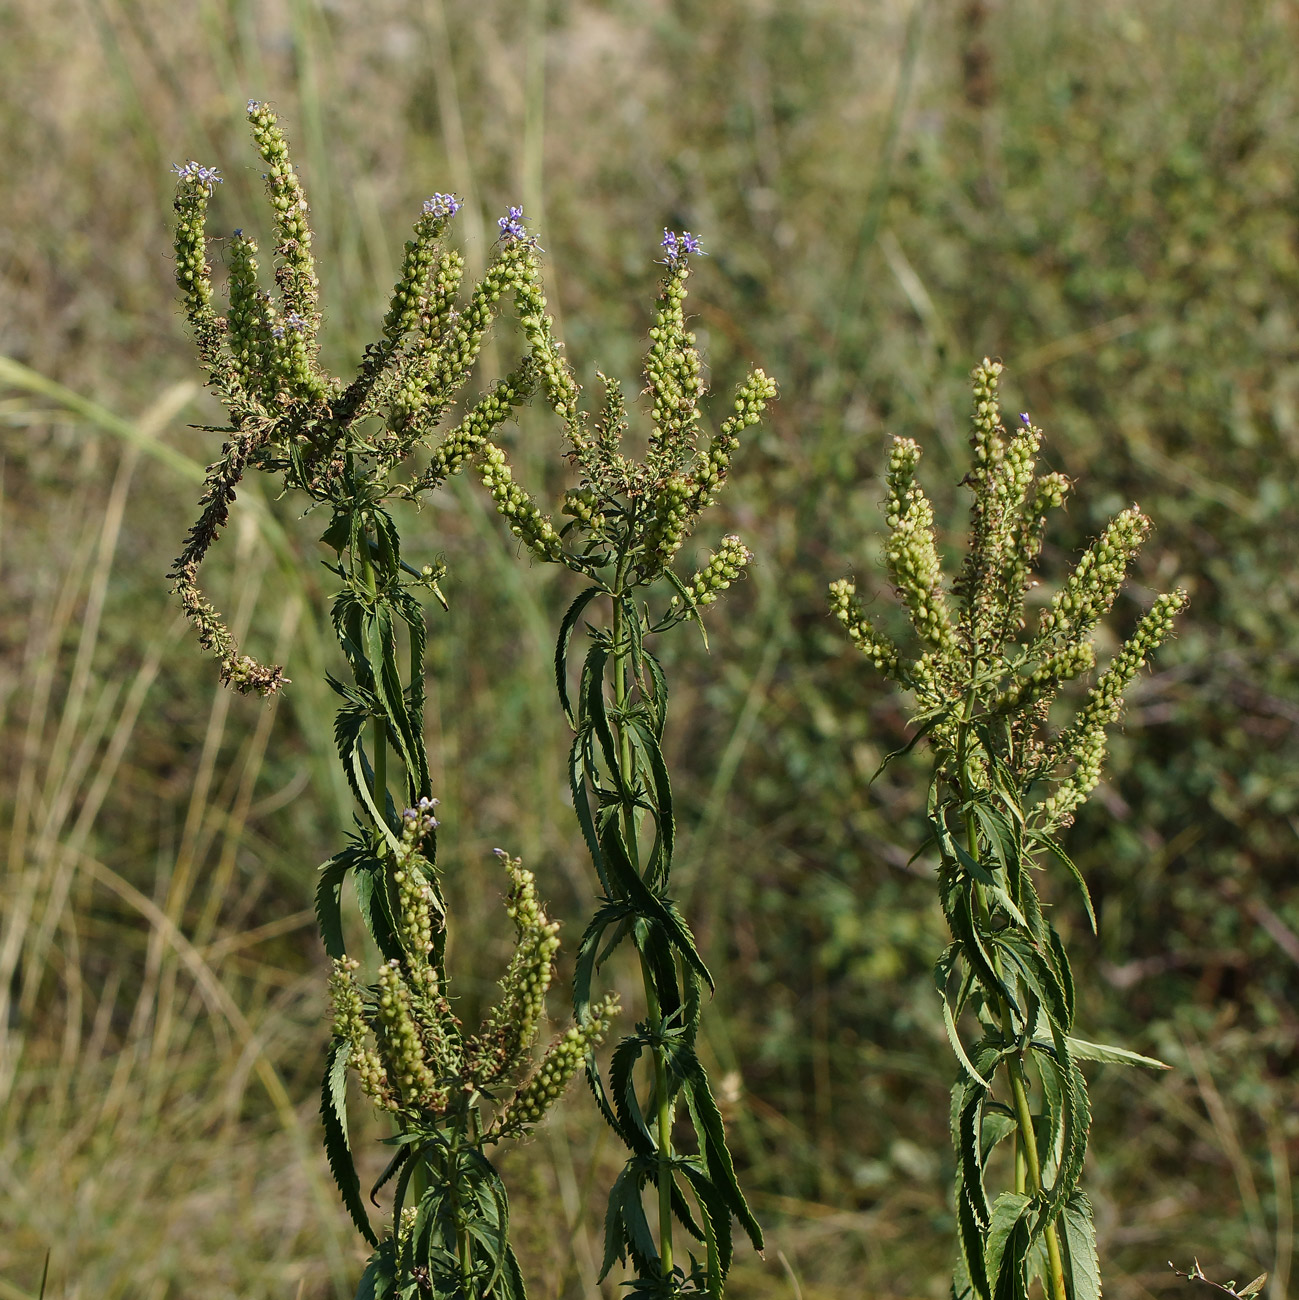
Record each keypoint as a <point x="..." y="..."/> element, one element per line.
<point x="1002" y="785"/>
<point x="624" y="523"/>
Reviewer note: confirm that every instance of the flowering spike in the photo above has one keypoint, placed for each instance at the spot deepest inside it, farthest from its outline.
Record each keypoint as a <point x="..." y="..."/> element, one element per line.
<point x="724" y="566"/>
<point x="911" y="551"/>
<point x="295" y="272"/>
<point x="528" y="1107"/>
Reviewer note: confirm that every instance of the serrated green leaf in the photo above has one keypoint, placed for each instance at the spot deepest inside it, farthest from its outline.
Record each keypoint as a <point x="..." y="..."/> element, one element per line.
<point x="379" y="1280"/>
<point x="658" y="695"/>
<point x="1079" y="1236"/>
<point x="688" y="600"/>
<point x="640" y="1239"/>
<point x="649" y="905"/>
<point x="582" y="806"/>
<point x="390" y="1169"/>
<point x="646" y="744"/>
<point x="333" y="1114"/>
<point x="971" y="1242"/>
<point x="573" y="613"/>
<point x="949" y="1023"/>
<point x="1006" y="1246"/>
<point x="372" y="903"/>
<point x="632" y="1126"/>
<point x="329" y="889"/>
<point x="597" y="714"/>
<point x="995" y="1128"/>
<point x="1110" y="1055"/>
<point x="1054" y="847"/>
<point x="717" y="1227"/>
<point x="711" y="1132"/>
<point x="615" y="1231"/>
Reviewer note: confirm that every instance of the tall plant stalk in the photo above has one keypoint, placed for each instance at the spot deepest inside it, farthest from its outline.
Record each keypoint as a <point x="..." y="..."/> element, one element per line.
<point x="451" y="1094"/>
<point x="628" y="520"/>
<point x="1004" y="783"/>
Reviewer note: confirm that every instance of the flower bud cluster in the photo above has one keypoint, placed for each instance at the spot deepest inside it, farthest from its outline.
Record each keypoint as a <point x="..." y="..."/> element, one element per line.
<point x="350" y="1025"/>
<point x="562" y="1060"/>
<point x="416" y="905"/>
<point x="1091" y="588"/>
<point x="997" y="569"/>
<point x="1105" y="700"/>
<point x="242" y="672"/>
<point x="410" y="293"/>
<point x="193" y="271"/>
<point x="553" y="373"/>
<point x="751" y="400"/>
<point x="512" y="1022"/>
<point x="518" y="509"/>
<point x="474" y="431"/>
<point x="408" y="1067"/>
<point x="1087" y="753"/>
<point x="845" y="606"/>
<point x="983" y="671"/>
<point x="911" y="551"/>
<point x="673" y="376"/>
<point x="247" y="322"/>
<point x="1051" y="672"/>
<point x="296" y="273"/>
<point x="1049" y="493"/>
<point x="584" y="505"/>
<point x="671" y="522"/>
<point x="442" y="369"/>
<point x="723" y="567"/>
<point x="437" y="308"/>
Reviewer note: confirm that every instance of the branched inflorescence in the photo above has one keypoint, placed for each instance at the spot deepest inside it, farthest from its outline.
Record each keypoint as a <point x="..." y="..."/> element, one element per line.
<point x="337" y="440"/>
<point x="404" y="1040"/>
<point x="346" y="444"/>
<point x="1004" y="783"/>
<point x="626" y="522"/>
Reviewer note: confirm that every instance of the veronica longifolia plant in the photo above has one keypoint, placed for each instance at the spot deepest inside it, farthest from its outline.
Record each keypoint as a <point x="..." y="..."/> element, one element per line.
<point x="628" y="520"/>
<point x="1003" y="784"/>
<point x="346" y="445"/>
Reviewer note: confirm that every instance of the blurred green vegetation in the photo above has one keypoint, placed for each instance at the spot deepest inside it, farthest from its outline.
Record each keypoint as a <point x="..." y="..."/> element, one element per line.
<point x="1106" y="196"/>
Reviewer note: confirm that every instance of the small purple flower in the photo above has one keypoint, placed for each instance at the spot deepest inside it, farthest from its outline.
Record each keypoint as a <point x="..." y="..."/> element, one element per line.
<point x="254" y="106"/>
<point x="420" y="818"/>
<point x="678" y="246"/>
<point x="205" y="177"/>
<point x="1027" y="423"/>
<point x="512" y="226"/>
<point x="277" y="331"/>
<point x="443" y="205"/>
<point x="239" y="232"/>
<point x="295" y="322"/>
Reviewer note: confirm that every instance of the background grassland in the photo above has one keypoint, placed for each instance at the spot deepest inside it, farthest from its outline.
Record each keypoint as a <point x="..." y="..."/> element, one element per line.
<point x="1104" y="195"/>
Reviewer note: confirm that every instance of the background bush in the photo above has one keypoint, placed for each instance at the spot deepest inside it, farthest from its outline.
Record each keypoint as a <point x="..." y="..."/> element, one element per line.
<point x="1104" y="196"/>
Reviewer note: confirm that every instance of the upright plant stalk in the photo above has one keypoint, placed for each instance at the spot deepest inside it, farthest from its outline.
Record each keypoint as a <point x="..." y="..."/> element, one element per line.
<point x="628" y="521"/>
<point x="1004" y="783"/>
<point x="451" y="1094"/>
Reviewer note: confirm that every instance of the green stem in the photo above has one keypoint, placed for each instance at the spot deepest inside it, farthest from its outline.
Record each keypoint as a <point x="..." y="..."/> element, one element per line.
<point x="654" y="1010"/>
<point x="1028" y="1145"/>
<point x="1028" y="1167"/>
<point x="464" y="1242"/>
